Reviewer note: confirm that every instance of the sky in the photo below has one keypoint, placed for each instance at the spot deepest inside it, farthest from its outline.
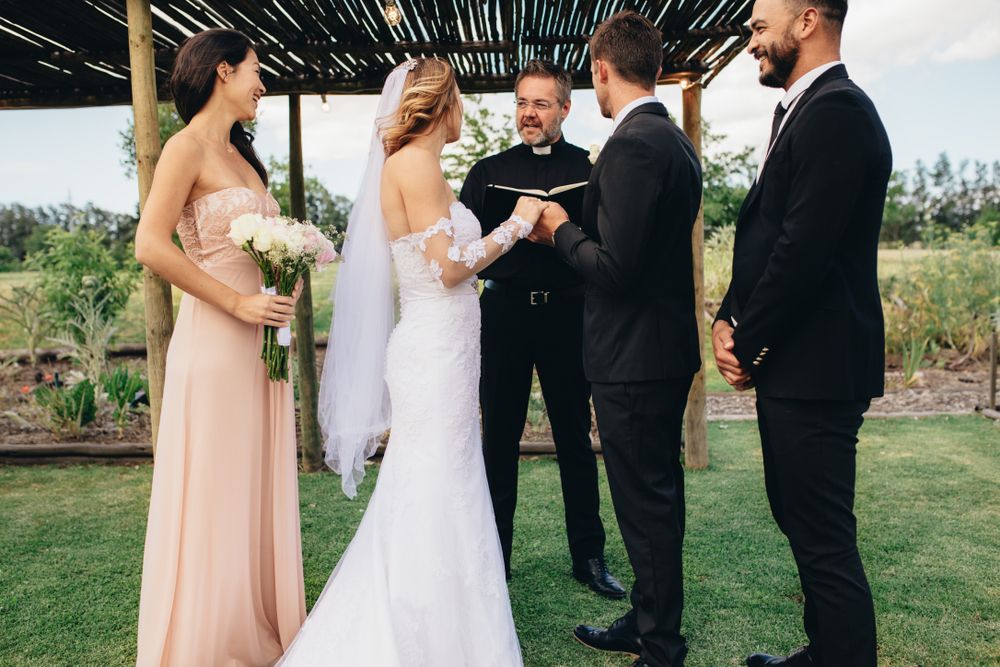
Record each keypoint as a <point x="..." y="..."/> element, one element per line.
<point x="932" y="69"/>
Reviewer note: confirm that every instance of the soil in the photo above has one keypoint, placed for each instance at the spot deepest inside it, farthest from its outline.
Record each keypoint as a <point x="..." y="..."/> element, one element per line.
<point x="937" y="390"/>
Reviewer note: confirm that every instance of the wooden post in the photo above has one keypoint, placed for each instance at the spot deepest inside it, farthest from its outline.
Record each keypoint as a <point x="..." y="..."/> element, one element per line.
<point x="993" y="371"/>
<point x="159" y="302"/>
<point x="695" y="419"/>
<point x="305" y="342"/>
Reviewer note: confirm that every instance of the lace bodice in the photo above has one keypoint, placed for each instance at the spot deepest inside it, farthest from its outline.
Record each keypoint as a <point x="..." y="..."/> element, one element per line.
<point x="204" y="223"/>
<point x="419" y="278"/>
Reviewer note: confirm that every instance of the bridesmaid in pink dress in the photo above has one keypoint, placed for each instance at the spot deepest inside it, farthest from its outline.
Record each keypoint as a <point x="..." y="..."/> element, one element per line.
<point x="222" y="571"/>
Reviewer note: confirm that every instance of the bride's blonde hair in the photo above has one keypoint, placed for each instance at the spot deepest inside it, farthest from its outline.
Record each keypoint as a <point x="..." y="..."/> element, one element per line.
<point x="429" y="97"/>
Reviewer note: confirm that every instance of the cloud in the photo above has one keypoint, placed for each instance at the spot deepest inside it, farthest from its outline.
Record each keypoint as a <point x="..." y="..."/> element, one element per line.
<point x="981" y="44"/>
<point x="880" y="36"/>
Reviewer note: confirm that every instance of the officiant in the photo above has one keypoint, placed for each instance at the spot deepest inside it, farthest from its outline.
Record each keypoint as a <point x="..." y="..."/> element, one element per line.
<point x="532" y="318"/>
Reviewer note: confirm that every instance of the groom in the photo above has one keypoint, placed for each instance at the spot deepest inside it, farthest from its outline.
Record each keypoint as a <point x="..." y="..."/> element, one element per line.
<point x="632" y="248"/>
<point x="802" y="320"/>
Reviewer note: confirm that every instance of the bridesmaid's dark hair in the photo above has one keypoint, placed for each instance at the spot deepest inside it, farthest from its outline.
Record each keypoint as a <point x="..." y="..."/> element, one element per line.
<point x="192" y="81"/>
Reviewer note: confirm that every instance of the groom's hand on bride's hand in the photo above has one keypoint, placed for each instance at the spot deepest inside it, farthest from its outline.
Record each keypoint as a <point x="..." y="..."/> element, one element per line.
<point x="552" y="217"/>
<point x="725" y="360"/>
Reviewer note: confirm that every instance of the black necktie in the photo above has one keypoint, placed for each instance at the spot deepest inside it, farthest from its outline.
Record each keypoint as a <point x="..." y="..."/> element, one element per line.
<point x="779" y="114"/>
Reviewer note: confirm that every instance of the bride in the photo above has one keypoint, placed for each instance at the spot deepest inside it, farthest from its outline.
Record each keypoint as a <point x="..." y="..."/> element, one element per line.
<point x="422" y="582"/>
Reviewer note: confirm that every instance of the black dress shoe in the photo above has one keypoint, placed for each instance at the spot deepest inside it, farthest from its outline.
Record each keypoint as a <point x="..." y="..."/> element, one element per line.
<point x="798" y="658"/>
<point x="639" y="663"/>
<point x="620" y="637"/>
<point x="594" y="573"/>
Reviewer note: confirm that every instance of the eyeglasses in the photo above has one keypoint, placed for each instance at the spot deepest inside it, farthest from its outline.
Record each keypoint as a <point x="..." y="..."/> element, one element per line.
<point x="537" y="105"/>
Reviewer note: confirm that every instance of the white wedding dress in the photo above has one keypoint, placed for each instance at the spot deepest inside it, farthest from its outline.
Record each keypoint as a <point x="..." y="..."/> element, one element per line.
<point x="422" y="582"/>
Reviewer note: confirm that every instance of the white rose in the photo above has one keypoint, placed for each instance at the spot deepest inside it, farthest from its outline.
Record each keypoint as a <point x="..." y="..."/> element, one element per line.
<point x="263" y="239"/>
<point x="279" y="235"/>
<point x="296" y="240"/>
<point x="242" y="228"/>
<point x="595" y="150"/>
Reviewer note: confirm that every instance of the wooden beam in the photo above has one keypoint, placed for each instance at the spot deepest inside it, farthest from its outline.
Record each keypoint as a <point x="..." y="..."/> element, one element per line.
<point x="159" y="303"/>
<point x="305" y="343"/>
<point x="695" y="417"/>
<point x="370" y="82"/>
<point x="992" y="401"/>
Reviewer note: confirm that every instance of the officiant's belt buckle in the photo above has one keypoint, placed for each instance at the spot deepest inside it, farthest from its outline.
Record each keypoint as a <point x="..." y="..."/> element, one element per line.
<point x="539" y="298"/>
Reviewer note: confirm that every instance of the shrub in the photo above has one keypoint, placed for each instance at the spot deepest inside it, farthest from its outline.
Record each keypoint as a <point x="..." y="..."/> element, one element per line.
<point x="25" y="308"/>
<point x="946" y="298"/>
<point x="67" y="409"/>
<point x="77" y="263"/>
<point x="124" y="390"/>
<point x="718" y="264"/>
<point x="88" y="334"/>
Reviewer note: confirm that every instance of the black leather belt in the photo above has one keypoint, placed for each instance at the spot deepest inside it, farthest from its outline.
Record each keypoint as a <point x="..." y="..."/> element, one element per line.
<point x="532" y="297"/>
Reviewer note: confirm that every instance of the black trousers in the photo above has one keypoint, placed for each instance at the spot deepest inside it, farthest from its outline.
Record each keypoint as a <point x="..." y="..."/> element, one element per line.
<point x="640" y="426"/>
<point x="809" y="452"/>
<point x="516" y="337"/>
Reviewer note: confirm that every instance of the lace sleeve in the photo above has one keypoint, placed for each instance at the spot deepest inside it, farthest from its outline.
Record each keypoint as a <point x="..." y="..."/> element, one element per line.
<point x="453" y="264"/>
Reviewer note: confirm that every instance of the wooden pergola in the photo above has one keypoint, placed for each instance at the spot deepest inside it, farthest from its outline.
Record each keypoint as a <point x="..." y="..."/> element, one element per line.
<point x="74" y="53"/>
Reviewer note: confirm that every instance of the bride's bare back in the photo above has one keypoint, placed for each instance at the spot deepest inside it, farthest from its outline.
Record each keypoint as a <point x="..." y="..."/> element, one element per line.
<point x="415" y="194"/>
<point x="416" y="199"/>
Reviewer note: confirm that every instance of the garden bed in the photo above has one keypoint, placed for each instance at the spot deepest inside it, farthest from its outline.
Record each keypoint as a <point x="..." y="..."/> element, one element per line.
<point x="938" y="391"/>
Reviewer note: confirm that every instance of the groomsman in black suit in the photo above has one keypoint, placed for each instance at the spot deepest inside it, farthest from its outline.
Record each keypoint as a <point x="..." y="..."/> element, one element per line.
<point x="532" y="311"/>
<point x="633" y="250"/>
<point x="802" y="319"/>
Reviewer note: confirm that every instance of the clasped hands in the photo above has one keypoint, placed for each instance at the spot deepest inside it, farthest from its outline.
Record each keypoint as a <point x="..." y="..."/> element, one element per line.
<point x="553" y="215"/>
<point x="729" y="366"/>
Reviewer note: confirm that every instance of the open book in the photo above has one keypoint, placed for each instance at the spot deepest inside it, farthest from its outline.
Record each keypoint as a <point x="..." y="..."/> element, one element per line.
<point x="541" y="194"/>
<point x="501" y="199"/>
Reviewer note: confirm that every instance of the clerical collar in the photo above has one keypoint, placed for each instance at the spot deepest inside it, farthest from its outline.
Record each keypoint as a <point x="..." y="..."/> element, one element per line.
<point x="547" y="150"/>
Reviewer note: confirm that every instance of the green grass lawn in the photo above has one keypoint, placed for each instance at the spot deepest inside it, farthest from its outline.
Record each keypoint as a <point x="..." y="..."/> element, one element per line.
<point x="928" y="507"/>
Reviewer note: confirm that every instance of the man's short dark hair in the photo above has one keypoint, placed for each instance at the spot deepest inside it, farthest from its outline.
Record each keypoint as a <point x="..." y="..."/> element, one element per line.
<point x="632" y="44"/>
<point x="834" y="11"/>
<point x="549" y="70"/>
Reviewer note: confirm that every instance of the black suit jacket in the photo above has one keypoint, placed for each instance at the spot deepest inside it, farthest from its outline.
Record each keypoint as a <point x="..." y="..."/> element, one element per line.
<point x="804" y="289"/>
<point x="633" y="251"/>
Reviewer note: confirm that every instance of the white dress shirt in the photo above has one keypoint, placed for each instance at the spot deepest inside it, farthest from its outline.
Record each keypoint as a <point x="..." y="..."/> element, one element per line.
<point x="625" y="110"/>
<point x="789" y="101"/>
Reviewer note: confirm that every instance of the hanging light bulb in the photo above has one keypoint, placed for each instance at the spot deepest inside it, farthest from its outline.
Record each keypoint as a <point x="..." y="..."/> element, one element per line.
<point x="324" y="105"/>
<point x="392" y="14"/>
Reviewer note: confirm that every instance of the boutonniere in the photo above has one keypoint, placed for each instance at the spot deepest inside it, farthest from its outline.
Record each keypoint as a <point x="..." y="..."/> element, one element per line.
<point x="595" y="150"/>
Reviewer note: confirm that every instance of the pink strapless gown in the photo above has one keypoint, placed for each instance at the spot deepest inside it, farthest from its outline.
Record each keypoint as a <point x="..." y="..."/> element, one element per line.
<point x="222" y="571"/>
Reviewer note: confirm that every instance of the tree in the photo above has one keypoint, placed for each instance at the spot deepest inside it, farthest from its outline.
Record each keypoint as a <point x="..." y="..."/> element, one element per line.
<point x="484" y="133"/>
<point x="728" y="176"/>
<point x="901" y="219"/>
<point x="17" y="223"/>
<point x="23" y="230"/>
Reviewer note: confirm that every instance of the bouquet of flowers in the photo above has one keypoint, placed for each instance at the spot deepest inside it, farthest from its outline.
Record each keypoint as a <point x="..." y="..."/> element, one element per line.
<point x="284" y="249"/>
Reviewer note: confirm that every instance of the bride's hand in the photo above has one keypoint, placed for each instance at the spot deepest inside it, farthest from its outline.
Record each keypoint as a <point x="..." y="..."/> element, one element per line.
<point x="297" y="292"/>
<point x="529" y="208"/>
<point x="275" y="311"/>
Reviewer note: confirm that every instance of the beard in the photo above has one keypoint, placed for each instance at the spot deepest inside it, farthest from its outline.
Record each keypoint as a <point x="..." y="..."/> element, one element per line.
<point x="547" y="134"/>
<point x="782" y="56"/>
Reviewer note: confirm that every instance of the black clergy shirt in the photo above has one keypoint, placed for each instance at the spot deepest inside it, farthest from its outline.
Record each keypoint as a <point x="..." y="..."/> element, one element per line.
<point x="528" y="265"/>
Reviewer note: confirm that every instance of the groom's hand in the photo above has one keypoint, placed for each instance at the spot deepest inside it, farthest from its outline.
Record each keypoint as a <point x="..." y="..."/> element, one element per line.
<point x="728" y="364"/>
<point x="552" y="217"/>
